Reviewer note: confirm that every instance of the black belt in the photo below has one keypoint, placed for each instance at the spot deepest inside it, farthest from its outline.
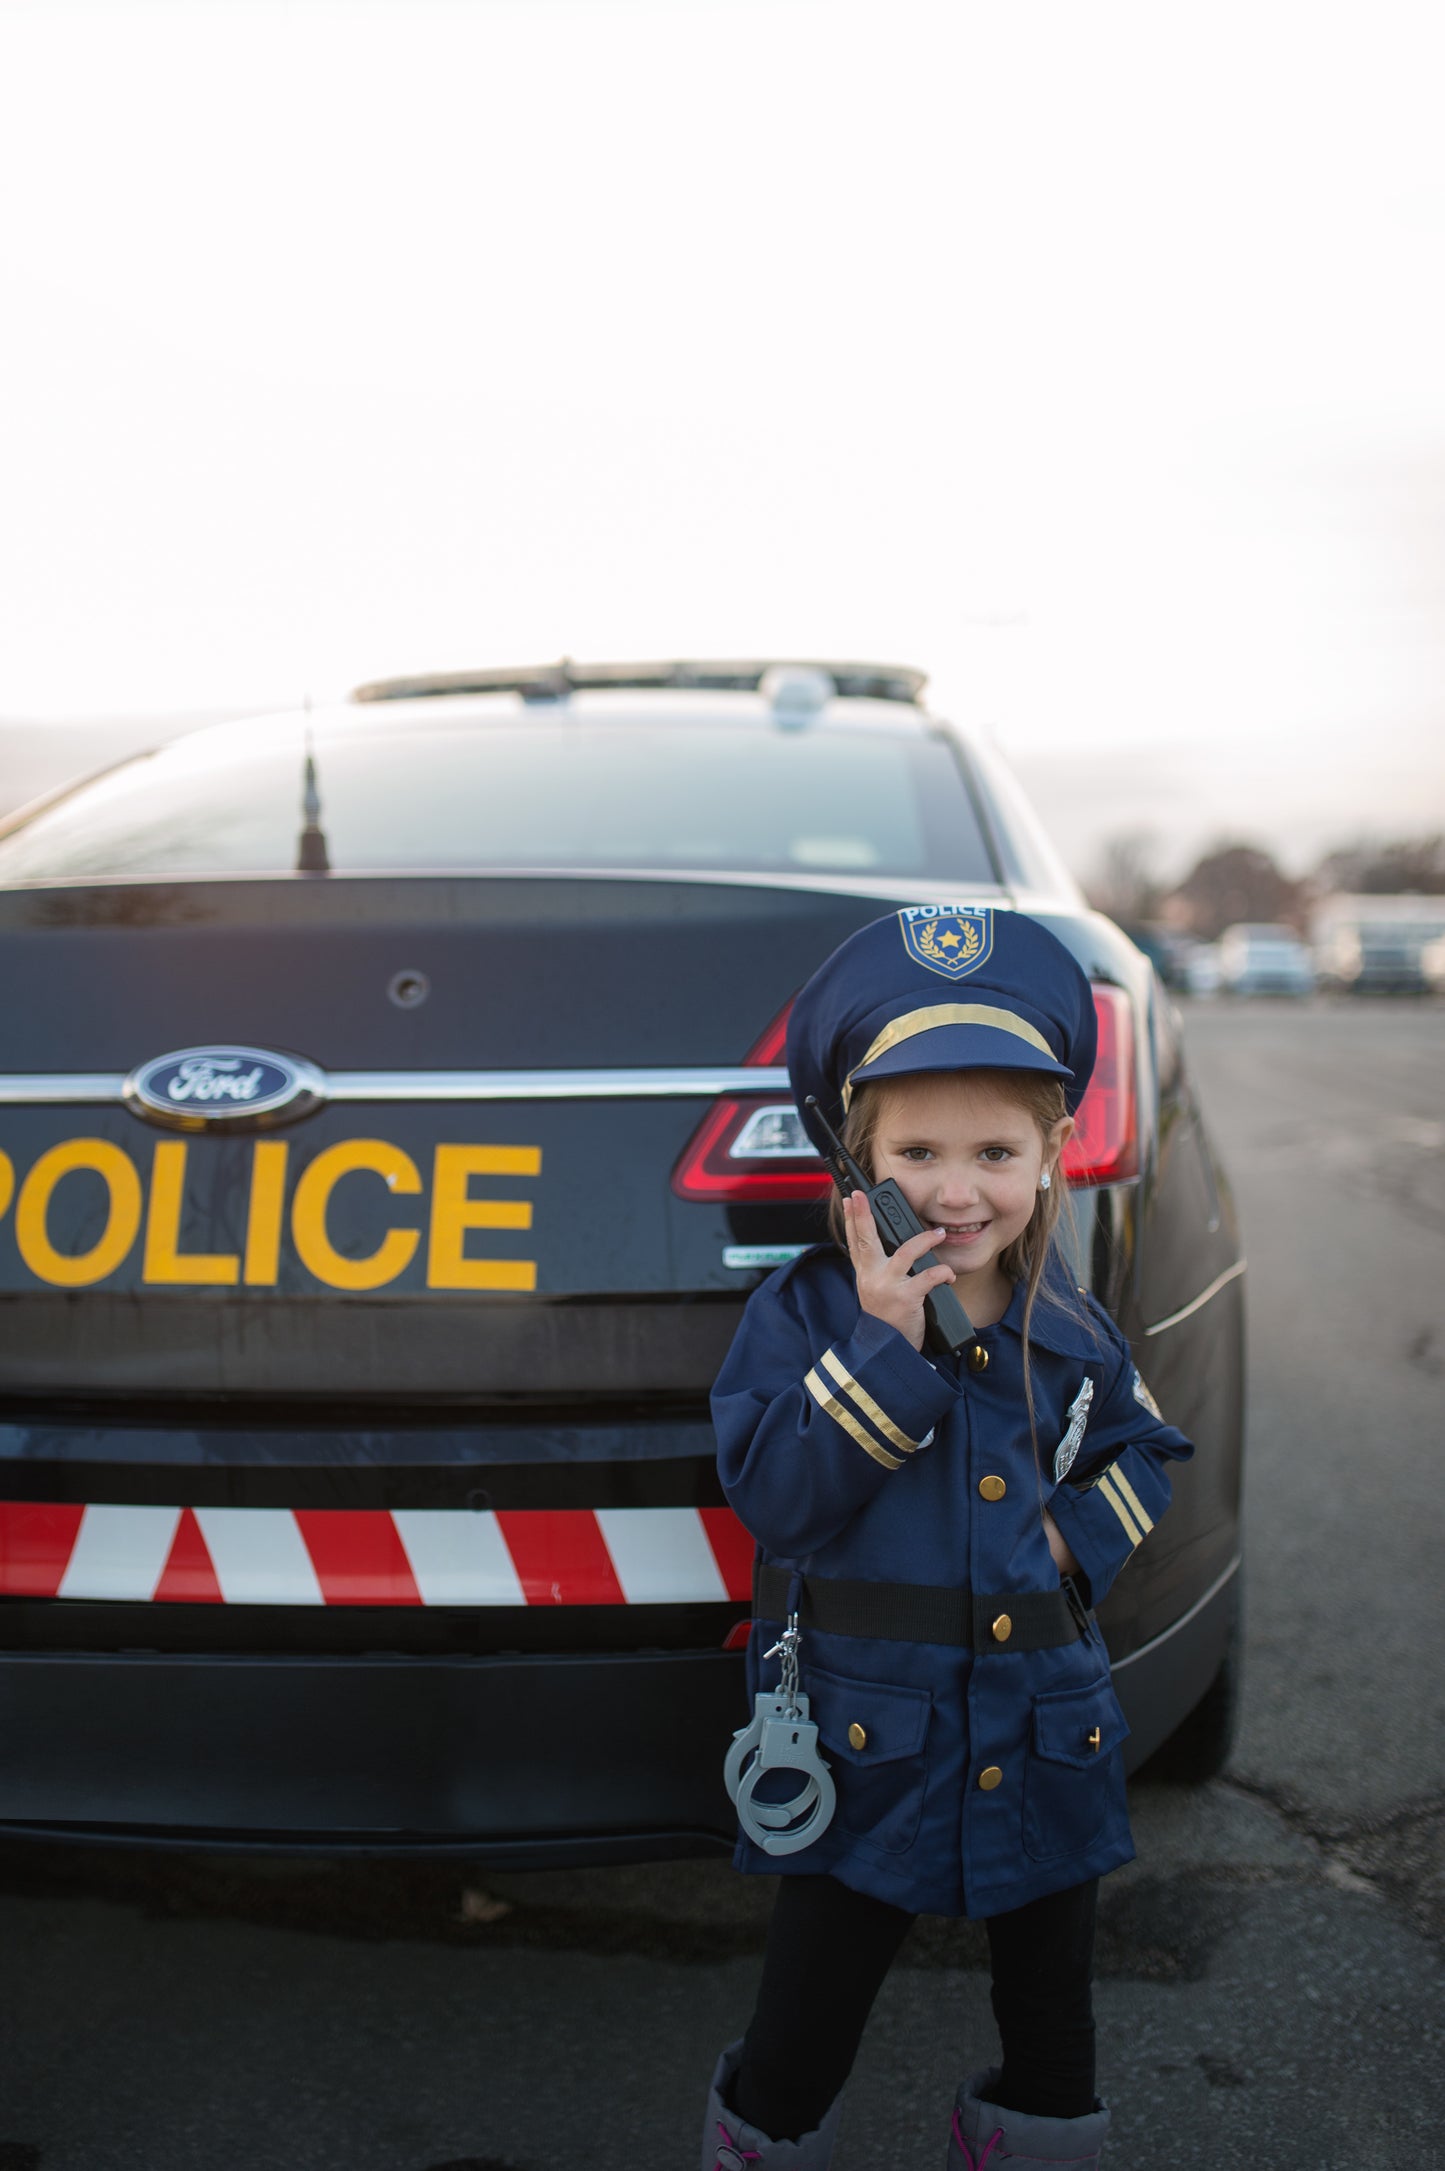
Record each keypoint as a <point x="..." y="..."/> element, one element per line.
<point x="925" y="1613"/>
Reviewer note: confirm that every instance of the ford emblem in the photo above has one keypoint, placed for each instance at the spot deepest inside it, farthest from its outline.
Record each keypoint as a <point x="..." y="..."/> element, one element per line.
<point x="238" y="1088"/>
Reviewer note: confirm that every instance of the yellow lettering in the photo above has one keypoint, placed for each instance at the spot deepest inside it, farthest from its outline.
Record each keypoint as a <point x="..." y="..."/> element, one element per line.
<point x="164" y="1260"/>
<point x="454" y="1212"/>
<point x="76" y="1270"/>
<point x="313" y="1195"/>
<point x="263" y="1220"/>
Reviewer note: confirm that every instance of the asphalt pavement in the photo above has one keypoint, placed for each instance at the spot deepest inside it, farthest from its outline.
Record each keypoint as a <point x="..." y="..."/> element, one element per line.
<point x="1270" y="1969"/>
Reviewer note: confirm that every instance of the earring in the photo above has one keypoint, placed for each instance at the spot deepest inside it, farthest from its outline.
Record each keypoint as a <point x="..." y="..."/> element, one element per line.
<point x="1045" y="1181"/>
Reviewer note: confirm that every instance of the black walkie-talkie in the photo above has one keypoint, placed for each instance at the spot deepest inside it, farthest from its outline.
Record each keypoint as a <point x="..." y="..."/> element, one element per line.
<point x="949" y="1326"/>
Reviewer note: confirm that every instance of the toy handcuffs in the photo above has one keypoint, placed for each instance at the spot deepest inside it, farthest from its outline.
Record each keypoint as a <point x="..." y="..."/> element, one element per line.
<point x="780" y="1737"/>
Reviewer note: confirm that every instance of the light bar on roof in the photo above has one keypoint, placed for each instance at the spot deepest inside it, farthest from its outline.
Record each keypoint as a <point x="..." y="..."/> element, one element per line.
<point x="554" y="681"/>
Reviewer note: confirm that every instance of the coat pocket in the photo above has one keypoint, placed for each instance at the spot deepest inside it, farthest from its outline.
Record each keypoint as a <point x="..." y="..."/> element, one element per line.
<point x="1073" y="1781"/>
<point x="876" y="1738"/>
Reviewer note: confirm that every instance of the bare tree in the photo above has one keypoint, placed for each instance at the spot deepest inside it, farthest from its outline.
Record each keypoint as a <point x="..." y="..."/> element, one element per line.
<point x="1235" y="882"/>
<point x="1126" y="883"/>
<point x="1383" y="870"/>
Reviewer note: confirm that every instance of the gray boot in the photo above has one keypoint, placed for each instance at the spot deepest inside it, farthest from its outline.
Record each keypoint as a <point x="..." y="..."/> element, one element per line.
<point x="729" y="2144"/>
<point x="987" y="2138"/>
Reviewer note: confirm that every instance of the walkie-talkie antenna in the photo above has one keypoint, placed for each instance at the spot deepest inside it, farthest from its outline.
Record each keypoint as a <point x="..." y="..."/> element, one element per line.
<point x="846" y="1172"/>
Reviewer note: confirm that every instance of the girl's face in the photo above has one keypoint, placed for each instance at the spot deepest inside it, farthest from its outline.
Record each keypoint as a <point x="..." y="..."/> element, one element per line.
<point x="968" y="1157"/>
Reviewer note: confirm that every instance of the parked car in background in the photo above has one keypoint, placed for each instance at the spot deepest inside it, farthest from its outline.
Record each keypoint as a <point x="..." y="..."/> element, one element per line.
<point x="1372" y="958"/>
<point x="1200" y="969"/>
<point x="1259" y="959"/>
<point x="1369" y="943"/>
<point x="392" y="1127"/>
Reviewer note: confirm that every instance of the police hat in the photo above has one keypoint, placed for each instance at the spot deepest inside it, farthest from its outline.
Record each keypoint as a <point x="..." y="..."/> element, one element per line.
<point x="940" y="987"/>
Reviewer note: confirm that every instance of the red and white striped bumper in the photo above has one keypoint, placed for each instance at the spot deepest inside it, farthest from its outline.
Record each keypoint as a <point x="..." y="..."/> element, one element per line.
<point x="374" y="1557"/>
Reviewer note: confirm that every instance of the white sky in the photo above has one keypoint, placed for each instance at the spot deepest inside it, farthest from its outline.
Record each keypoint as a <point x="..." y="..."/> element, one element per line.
<point x="1092" y="357"/>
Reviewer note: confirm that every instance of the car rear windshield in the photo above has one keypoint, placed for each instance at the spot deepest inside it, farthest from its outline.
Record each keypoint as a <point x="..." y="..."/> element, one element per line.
<point x="531" y="794"/>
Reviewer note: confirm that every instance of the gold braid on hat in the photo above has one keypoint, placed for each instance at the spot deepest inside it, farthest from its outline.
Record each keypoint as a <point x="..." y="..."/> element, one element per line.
<point x="927" y="1021"/>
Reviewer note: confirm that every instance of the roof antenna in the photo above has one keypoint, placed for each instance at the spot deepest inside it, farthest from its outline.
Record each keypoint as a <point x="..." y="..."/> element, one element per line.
<point x="312" y="856"/>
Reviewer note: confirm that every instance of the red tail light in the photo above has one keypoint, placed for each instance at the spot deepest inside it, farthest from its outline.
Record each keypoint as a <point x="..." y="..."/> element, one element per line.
<point x="768" y="1052"/>
<point x="1105" y="1147"/>
<point x="740" y="1153"/>
<point x="718" y="1164"/>
<point x="751" y="1148"/>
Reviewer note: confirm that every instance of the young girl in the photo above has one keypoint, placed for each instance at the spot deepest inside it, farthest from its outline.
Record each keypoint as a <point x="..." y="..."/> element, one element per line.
<point x="942" y="1525"/>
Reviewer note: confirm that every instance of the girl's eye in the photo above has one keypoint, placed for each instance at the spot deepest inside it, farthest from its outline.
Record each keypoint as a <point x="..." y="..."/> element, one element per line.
<point x="997" y="1154"/>
<point x="917" y="1153"/>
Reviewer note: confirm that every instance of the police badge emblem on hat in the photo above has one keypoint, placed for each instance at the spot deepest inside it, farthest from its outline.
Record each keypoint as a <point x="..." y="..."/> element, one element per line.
<point x="951" y="939"/>
<point x="1070" y="1444"/>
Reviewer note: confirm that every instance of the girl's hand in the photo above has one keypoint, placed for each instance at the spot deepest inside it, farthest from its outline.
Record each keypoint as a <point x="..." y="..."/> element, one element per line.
<point x="885" y="1286"/>
<point x="1059" y="1547"/>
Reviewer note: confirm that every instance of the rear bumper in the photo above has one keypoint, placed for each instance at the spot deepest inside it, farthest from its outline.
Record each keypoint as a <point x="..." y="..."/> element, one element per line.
<point x="520" y="1756"/>
<point x="525" y="1759"/>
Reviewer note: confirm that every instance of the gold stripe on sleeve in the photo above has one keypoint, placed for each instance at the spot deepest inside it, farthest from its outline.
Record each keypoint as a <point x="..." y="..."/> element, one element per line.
<point x="849" y="1423"/>
<point x="1131" y="1530"/>
<point x="866" y="1404"/>
<point x="1145" y="1522"/>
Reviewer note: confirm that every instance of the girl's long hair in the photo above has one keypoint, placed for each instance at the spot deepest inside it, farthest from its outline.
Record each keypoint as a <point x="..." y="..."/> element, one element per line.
<point x="1027" y="1257"/>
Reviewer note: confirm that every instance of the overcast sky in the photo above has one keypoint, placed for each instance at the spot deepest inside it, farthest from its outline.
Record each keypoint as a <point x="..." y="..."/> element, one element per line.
<point x="1091" y="357"/>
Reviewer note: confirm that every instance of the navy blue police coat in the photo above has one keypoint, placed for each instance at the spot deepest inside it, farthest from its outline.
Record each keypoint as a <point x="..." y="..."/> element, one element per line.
<point x="969" y="1780"/>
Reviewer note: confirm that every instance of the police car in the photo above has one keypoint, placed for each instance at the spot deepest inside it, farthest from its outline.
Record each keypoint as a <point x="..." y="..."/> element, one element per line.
<point x="392" y="1125"/>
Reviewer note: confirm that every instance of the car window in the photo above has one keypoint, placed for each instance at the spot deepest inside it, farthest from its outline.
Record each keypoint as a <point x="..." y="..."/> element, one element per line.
<point x="538" y="793"/>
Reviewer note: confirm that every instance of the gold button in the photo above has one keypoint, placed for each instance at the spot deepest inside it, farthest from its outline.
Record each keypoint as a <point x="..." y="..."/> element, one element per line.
<point x="858" y="1735"/>
<point x="1095" y="1739"/>
<point x="990" y="1777"/>
<point x="992" y="1488"/>
<point x="1003" y="1628"/>
<point x="978" y="1358"/>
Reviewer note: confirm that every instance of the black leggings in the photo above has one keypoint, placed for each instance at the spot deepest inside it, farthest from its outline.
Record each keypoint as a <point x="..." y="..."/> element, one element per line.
<point x="828" y="1951"/>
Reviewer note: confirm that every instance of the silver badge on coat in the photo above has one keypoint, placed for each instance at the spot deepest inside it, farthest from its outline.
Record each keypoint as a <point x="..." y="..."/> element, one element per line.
<point x="1070" y="1444"/>
<point x="1143" y="1397"/>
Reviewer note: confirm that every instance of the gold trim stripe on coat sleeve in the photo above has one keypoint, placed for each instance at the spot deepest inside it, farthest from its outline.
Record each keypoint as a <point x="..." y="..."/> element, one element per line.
<point x="834" y="1409"/>
<point x="1145" y="1522"/>
<point x="1131" y="1530"/>
<point x="844" y="1379"/>
<point x="936" y="1014"/>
